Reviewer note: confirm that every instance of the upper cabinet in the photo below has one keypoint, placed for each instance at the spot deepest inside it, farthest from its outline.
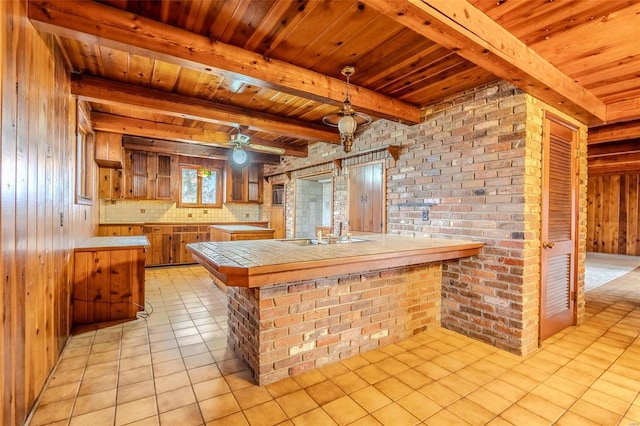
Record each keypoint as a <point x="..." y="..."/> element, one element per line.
<point x="244" y="185"/>
<point x="150" y="175"/>
<point x="109" y="151"/>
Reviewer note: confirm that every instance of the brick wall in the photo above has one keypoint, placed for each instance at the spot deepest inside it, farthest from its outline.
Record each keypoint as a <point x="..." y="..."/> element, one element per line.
<point x="287" y="329"/>
<point x="474" y="168"/>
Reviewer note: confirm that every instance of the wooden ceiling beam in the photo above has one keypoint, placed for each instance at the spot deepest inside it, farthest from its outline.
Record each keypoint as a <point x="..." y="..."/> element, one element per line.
<point x="614" y="132"/>
<point x="109" y="92"/>
<point x="191" y="149"/>
<point x="172" y="132"/>
<point x="464" y="29"/>
<point x="95" y="23"/>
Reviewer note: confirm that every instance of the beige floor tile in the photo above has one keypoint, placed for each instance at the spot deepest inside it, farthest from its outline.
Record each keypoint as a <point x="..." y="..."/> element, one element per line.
<point x="448" y="363"/>
<point x="98" y="384"/>
<point x="296" y="403"/>
<point x="133" y="362"/>
<point x="266" y="414"/>
<point x="370" y="399"/>
<point x="374" y="356"/>
<point x="432" y="370"/>
<point x="445" y="418"/>
<point x="135" y="375"/>
<point x="393" y="388"/>
<point x="518" y="415"/>
<point x="419" y="405"/>
<point x="566" y="385"/>
<point x="393" y="415"/>
<point x="474" y="375"/>
<point x="471" y="412"/>
<point x="391" y="366"/>
<point x="489" y="400"/>
<point x="219" y="406"/>
<point x="349" y="382"/>
<point x="572" y="419"/>
<point x="614" y="390"/>
<point x="541" y="407"/>
<point x="166" y="355"/>
<point x="94" y="402"/>
<point x="413" y="378"/>
<point x="425" y="353"/>
<point x="355" y="362"/>
<point x="135" y="391"/>
<point x="313" y="418"/>
<point x="203" y="373"/>
<point x="59" y="393"/>
<point x="251" y="396"/>
<point x="232" y="365"/>
<point x="135" y="410"/>
<point x="344" y="410"/>
<point x="605" y="401"/>
<point x="409" y="358"/>
<point x="333" y="370"/>
<point x="168" y="367"/>
<point x="439" y="394"/>
<point x="239" y="380"/>
<point x="367" y="420"/>
<point x="210" y="388"/>
<point x="171" y="381"/>
<point x="72" y="375"/>
<point x="53" y="412"/>
<point x="188" y="415"/>
<point x="506" y="390"/>
<point x="519" y="380"/>
<point x="599" y="415"/>
<point x="283" y="387"/>
<point x="236" y="419"/>
<point x="104" y="417"/>
<point x="198" y="360"/>
<point x="175" y="399"/>
<point x="458" y="384"/>
<point x="489" y="367"/>
<point x="324" y="392"/>
<point x="620" y="380"/>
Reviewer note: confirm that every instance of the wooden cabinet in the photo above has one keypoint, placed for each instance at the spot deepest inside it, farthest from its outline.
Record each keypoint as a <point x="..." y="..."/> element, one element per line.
<point x="366" y="198"/>
<point x="150" y="175"/>
<point x="109" y="151"/>
<point x="168" y="243"/>
<point x="239" y="233"/>
<point x="244" y="185"/>
<point x="110" y="183"/>
<point x="119" y="230"/>
<point x="108" y="279"/>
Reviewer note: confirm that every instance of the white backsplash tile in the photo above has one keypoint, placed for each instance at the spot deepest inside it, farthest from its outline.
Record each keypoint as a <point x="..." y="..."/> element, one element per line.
<point x="128" y="211"/>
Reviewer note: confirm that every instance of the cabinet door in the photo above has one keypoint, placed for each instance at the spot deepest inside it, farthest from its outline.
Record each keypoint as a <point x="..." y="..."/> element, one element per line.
<point x="110" y="183"/>
<point x="254" y="184"/>
<point x="164" y="168"/>
<point x="235" y="184"/>
<point x="244" y="185"/>
<point x="136" y="172"/>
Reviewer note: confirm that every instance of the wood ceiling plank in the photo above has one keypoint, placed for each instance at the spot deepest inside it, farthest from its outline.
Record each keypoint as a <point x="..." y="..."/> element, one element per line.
<point x="112" y="61"/>
<point x="99" y="90"/>
<point x="624" y="110"/>
<point x="140" y="70"/>
<point x="614" y="148"/>
<point x="464" y="29"/>
<point x="95" y="23"/>
<point x="165" y="76"/>
<point x="277" y="17"/>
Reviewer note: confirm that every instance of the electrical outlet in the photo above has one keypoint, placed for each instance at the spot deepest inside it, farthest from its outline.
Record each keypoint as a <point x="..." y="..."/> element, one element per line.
<point x="425" y="214"/>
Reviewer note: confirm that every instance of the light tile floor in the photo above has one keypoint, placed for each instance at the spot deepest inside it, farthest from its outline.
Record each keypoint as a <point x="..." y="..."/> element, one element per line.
<point x="175" y="369"/>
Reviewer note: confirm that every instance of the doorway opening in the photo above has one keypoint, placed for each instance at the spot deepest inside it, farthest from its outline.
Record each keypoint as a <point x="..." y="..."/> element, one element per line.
<point x="313" y="205"/>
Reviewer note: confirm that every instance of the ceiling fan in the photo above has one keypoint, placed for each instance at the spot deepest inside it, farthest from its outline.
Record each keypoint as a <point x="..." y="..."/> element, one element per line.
<point x="240" y="141"/>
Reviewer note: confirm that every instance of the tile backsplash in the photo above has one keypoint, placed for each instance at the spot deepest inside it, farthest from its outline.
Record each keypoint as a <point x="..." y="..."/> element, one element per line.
<point x="127" y="211"/>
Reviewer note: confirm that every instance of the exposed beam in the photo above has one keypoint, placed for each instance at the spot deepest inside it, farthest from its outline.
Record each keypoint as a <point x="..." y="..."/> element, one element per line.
<point x="191" y="150"/>
<point x="158" y="130"/>
<point x="108" y="92"/>
<point x="95" y="23"/>
<point x="614" y="132"/>
<point x="457" y="25"/>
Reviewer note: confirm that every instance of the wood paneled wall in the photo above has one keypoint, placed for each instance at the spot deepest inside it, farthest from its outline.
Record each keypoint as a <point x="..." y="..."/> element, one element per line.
<point x="39" y="221"/>
<point x="613" y="214"/>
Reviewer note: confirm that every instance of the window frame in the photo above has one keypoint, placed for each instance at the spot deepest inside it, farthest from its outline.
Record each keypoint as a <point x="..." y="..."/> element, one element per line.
<point x="199" y="203"/>
<point x="85" y="155"/>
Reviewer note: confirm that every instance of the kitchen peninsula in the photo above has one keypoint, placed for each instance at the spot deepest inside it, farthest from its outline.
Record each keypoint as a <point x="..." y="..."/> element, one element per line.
<point x="294" y="306"/>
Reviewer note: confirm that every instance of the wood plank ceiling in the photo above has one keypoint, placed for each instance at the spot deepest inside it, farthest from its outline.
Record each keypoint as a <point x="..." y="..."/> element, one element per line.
<point x="152" y="68"/>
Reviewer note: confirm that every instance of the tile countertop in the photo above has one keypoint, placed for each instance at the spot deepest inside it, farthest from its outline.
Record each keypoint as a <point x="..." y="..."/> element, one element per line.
<point x="111" y="243"/>
<point x="263" y="262"/>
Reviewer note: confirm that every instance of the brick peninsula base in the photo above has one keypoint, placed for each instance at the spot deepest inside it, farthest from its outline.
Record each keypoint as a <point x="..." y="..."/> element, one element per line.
<point x="296" y="307"/>
<point x="286" y="329"/>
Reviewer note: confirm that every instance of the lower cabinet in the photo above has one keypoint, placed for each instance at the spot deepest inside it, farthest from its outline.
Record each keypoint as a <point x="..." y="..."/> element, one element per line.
<point x="169" y="243"/>
<point x="108" y="284"/>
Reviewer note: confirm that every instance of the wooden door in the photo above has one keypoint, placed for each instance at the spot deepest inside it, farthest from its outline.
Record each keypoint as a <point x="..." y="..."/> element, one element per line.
<point x="559" y="227"/>
<point x="277" y="222"/>
<point x="366" y="198"/>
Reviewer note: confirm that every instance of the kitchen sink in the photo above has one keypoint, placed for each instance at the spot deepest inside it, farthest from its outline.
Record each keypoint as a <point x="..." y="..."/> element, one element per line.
<point x="314" y="241"/>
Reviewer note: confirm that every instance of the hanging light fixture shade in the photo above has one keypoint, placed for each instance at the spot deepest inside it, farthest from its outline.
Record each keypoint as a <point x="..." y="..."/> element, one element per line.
<point x="347" y="120"/>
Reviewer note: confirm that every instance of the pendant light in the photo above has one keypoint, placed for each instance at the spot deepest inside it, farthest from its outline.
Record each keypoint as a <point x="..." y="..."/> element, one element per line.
<point x="347" y="120"/>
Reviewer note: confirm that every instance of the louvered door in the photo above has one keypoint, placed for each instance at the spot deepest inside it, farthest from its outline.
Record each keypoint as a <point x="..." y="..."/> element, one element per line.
<point x="559" y="211"/>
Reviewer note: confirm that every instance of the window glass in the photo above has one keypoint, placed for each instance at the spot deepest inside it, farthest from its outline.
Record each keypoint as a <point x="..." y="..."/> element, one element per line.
<point x="189" y="180"/>
<point x="209" y="188"/>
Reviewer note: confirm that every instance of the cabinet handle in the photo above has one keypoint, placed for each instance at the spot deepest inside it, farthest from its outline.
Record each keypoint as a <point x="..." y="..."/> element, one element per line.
<point x="548" y="245"/>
